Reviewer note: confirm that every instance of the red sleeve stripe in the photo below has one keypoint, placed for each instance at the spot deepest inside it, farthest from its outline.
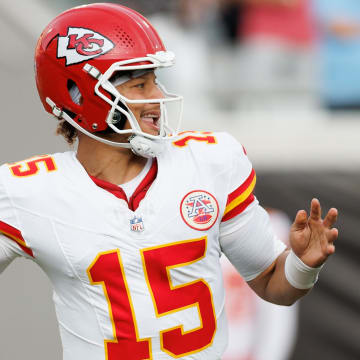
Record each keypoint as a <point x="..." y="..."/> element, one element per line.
<point x="241" y="193"/>
<point x="15" y="235"/>
<point x="240" y="198"/>
<point x="239" y="209"/>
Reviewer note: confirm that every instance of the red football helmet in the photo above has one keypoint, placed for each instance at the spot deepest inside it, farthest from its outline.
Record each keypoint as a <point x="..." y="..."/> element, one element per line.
<point x="81" y="49"/>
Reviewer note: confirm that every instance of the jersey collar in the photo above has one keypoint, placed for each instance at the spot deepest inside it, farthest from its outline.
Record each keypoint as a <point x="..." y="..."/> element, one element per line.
<point x="139" y="192"/>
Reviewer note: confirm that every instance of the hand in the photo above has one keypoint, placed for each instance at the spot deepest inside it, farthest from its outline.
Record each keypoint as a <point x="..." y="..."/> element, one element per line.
<point x="312" y="238"/>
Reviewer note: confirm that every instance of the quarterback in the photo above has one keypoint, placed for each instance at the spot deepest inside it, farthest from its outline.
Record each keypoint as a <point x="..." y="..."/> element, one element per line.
<point x="130" y="227"/>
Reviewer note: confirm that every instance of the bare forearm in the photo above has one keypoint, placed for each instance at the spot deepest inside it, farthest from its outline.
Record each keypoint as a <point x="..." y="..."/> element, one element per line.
<point x="274" y="287"/>
<point x="279" y="290"/>
<point x="295" y="272"/>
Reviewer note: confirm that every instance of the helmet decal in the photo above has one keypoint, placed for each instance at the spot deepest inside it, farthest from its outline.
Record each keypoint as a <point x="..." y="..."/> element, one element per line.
<point x="82" y="44"/>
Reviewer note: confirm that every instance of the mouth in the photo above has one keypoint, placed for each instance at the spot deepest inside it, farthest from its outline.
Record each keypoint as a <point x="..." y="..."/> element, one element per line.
<point x="151" y="119"/>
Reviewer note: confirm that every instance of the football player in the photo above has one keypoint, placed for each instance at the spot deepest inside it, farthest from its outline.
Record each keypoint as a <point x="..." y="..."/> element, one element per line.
<point x="131" y="226"/>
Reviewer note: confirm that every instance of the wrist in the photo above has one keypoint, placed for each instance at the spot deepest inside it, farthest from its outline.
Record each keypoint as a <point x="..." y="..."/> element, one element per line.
<point x="298" y="274"/>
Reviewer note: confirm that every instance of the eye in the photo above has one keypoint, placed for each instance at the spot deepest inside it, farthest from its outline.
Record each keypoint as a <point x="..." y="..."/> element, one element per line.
<point x="140" y="85"/>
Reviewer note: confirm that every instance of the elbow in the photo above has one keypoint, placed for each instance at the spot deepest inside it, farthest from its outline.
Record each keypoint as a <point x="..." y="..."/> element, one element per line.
<point x="291" y="300"/>
<point x="282" y="301"/>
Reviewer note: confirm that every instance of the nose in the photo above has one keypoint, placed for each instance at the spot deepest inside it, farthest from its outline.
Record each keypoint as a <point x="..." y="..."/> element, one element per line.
<point x="156" y="92"/>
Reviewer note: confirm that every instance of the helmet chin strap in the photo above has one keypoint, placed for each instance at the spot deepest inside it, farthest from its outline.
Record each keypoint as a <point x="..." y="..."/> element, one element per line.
<point x="138" y="144"/>
<point x="145" y="147"/>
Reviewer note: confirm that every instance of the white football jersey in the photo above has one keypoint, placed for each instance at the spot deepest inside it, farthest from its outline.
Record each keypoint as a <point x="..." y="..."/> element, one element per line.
<point x="141" y="283"/>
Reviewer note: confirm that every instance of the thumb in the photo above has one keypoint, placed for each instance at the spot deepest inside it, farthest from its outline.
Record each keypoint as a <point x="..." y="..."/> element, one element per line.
<point x="300" y="221"/>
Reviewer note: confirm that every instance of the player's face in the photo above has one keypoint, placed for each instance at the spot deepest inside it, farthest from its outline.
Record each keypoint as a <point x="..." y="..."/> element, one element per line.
<point x="143" y="87"/>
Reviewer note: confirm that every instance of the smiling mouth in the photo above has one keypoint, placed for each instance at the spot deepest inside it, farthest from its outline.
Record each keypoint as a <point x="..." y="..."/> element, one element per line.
<point x="151" y="119"/>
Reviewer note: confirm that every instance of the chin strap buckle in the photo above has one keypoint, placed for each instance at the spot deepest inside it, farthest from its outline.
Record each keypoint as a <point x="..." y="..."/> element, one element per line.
<point x="93" y="71"/>
<point x="54" y="109"/>
<point x="144" y="147"/>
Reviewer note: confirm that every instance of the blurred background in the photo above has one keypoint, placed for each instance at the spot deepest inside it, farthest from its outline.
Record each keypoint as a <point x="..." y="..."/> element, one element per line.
<point x="283" y="77"/>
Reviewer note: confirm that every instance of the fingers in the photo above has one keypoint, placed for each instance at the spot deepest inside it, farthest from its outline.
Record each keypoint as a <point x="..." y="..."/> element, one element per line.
<point x="300" y="220"/>
<point x="315" y="214"/>
<point x="315" y="210"/>
<point x="333" y="235"/>
<point x="331" y="218"/>
<point x="330" y="248"/>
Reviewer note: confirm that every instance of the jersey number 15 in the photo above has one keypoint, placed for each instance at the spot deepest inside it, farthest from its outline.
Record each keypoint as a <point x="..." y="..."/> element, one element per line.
<point x="107" y="270"/>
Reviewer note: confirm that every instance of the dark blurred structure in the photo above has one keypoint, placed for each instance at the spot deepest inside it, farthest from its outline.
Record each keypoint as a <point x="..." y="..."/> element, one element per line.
<point x="338" y="29"/>
<point x="230" y="18"/>
<point x="330" y="315"/>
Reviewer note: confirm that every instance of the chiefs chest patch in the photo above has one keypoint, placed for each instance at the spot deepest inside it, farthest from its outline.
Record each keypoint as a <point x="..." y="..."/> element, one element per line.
<point x="199" y="210"/>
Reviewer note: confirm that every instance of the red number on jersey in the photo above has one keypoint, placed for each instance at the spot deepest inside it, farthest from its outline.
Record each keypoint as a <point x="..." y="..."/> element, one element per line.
<point x="31" y="167"/>
<point x="202" y="136"/>
<point x="107" y="270"/>
<point x="167" y="298"/>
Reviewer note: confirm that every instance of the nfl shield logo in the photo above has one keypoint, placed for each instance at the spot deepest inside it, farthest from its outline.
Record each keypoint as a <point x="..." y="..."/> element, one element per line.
<point x="136" y="224"/>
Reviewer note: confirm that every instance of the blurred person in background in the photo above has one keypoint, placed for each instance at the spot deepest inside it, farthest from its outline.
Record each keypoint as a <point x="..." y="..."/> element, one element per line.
<point x="224" y="38"/>
<point x="230" y="16"/>
<point x="268" y="49"/>
<point x="209" y="30"/>
<point x="286" y="21"/>
<point x="186" y="29"/>
<point x="126" y="283"/>
<point x="338" y="31"/>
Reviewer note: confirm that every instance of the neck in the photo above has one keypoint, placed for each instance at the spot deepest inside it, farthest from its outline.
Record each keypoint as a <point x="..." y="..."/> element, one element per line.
<point x="113" y="164"/>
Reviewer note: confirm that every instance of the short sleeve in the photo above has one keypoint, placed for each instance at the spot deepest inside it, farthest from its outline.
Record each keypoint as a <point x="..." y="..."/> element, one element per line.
<point x="250" y="243"/>
<point x="242" y="182"/>
<point x="246" y="235"/>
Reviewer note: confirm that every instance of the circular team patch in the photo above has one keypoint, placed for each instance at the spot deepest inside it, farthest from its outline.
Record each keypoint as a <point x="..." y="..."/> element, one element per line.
<point x="199" y="209"/>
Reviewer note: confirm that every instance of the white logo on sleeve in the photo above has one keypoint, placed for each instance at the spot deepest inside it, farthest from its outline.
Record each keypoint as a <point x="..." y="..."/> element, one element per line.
<point x="82" y="44"/>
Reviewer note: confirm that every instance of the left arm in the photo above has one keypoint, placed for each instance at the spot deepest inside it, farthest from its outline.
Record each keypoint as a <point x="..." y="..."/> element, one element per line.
<point x="311" y="241"/>
<point x="272" y="285"/>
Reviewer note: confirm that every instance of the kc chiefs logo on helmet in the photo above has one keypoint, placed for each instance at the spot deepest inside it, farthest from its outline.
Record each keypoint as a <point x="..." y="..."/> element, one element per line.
<point x="82" y="44"/>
